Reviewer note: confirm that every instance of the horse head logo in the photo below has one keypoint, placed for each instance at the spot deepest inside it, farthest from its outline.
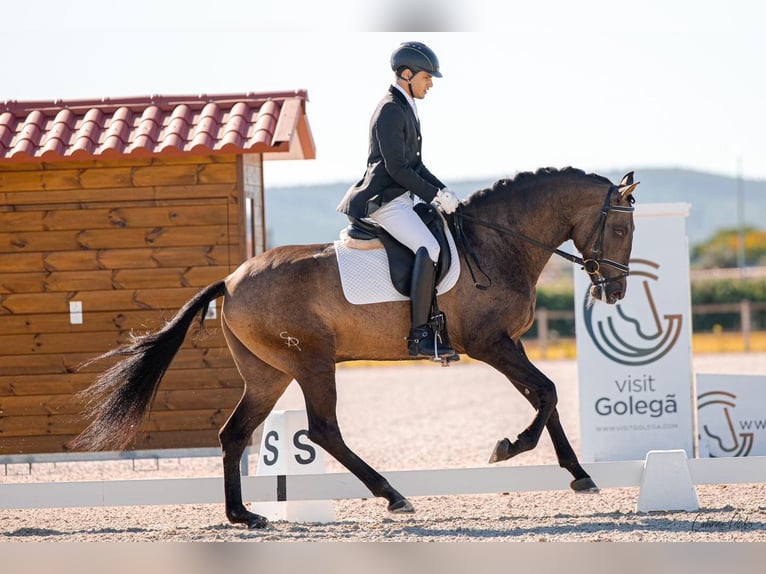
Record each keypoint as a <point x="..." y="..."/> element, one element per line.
<point x="638" y="336"/>
<point x="716" y="430"/>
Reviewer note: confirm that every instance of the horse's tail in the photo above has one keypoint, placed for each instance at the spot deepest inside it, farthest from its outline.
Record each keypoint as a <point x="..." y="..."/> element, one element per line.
<point x="120" y="397"/>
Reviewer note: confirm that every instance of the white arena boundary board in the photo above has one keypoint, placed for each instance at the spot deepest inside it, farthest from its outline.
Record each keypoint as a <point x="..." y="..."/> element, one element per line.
<point x="338" y="486"/>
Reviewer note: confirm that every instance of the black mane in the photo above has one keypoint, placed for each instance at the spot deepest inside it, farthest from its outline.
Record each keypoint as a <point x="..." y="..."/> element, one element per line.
<point x="521" y="179"/>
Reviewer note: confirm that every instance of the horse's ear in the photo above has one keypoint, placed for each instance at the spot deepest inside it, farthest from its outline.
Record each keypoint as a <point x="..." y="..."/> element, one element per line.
<point x="627" y="190"/>
<point x="627" y="179"/>
<point x="627" y="186"/>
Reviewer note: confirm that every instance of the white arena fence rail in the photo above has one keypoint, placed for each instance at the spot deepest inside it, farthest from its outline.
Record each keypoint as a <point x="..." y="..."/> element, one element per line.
<point x="343" y="485"/>
<point x="118" y="455"/>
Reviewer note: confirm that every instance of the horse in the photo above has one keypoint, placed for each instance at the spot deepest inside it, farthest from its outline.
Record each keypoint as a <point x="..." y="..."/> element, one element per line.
<point x="508" y="231"/>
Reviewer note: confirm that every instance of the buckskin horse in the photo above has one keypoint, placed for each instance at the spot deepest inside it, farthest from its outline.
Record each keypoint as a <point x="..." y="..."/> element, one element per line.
<point x="509" y="231"/>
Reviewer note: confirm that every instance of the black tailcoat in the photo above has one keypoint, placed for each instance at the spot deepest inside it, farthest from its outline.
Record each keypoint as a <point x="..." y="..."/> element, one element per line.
<point x="394" y="163"/>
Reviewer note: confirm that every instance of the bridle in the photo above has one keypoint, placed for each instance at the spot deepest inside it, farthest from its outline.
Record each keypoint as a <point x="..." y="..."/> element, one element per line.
<point x="592" y="265"/>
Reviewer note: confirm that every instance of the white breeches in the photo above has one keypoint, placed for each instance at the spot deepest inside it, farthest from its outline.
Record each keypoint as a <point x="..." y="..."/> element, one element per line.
<point x="400" y="220"/>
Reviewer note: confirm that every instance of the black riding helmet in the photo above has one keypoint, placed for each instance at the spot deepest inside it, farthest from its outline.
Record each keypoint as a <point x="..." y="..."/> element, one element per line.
<point x="417" y="57"/>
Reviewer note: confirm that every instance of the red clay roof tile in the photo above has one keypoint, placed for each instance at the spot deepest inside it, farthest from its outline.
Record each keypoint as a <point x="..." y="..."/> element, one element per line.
<point x="156" y="126"/>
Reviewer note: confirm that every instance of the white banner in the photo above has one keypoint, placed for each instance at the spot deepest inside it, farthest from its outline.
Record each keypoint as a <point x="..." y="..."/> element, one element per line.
<point x="634" y="358"/>
<point x="731" y="418"/>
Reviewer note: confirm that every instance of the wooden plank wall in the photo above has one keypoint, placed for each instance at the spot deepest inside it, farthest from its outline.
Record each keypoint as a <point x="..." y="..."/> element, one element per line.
<point x="132" y="240"/>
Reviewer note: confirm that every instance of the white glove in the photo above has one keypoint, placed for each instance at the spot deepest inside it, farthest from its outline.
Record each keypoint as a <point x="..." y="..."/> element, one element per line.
<point x="446" y="200"/>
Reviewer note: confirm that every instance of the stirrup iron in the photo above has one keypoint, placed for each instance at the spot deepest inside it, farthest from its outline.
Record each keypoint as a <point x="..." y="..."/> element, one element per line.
<point x="438" y="325"/>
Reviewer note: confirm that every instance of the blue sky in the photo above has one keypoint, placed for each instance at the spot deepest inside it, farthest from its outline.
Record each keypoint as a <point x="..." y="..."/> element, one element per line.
<point x="594" y="84"/>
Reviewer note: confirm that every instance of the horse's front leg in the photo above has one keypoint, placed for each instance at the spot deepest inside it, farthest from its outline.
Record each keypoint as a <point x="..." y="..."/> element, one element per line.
<point x="582" y="482"/>
<point x="509" y="359"/>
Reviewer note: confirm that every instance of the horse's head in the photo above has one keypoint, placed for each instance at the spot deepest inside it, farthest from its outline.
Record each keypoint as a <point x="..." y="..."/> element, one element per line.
<point x="604" y="237"/>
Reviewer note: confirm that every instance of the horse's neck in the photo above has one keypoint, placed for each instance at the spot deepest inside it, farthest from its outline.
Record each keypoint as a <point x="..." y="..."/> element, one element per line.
<point x="534" y="213"/>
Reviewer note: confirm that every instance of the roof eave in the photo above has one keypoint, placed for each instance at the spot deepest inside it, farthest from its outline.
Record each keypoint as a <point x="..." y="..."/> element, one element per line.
<point x="280" y="131"/>
<point x="293" y="138"/>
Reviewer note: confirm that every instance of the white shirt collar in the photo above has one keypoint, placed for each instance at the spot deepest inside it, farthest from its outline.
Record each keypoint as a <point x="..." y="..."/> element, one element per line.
<point x="410" y="99"/>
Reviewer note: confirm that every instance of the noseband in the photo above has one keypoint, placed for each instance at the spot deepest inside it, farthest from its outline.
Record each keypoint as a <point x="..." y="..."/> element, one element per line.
<point x="592" y="266"/>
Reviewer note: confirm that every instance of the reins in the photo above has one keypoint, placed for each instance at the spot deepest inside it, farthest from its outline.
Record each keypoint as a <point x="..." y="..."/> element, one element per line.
<point x="591" y="266"/>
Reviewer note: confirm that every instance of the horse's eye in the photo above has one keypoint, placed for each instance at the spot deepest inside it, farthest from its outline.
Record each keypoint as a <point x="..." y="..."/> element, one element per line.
<point x="619" y="231"/>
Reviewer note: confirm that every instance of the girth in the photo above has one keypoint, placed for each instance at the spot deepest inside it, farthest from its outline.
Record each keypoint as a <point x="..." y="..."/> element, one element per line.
<point x="400" y="258"/>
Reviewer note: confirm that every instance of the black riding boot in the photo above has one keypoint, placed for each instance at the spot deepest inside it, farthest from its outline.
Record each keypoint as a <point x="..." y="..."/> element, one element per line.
<point x="422" y="339"/>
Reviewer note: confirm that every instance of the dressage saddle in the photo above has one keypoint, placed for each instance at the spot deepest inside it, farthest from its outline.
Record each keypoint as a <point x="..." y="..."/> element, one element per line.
<point x="400" y="258"/>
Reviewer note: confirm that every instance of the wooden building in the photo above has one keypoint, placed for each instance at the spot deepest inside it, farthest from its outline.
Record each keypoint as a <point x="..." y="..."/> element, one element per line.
<point x="113" y="213"/>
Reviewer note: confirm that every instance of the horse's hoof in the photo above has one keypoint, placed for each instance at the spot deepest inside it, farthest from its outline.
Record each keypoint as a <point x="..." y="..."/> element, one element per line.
<point x="502" y="451"/>
<point x="584" y="485"/>
<point x="401" y="506"/>
<point x="250" y="519"/>
<point x="257" y="521"/>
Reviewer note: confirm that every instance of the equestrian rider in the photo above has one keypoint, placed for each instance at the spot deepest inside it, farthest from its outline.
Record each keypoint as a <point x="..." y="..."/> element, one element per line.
<point x="395" y="174"/>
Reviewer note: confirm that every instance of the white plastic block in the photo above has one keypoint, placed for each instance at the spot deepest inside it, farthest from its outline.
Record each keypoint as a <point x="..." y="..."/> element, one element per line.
<point x="666" y="483"/>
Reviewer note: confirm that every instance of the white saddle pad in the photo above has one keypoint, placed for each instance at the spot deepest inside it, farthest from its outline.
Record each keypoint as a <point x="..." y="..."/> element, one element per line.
<point x="366" y="279"/>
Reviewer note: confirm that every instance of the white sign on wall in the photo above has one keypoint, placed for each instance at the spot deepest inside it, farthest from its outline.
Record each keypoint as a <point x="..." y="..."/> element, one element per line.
<point x="634" y="358"/>
<point x="731" y="415"/>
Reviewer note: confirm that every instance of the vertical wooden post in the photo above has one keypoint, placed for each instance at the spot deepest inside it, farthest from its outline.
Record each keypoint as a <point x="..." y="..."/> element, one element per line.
<point x="542" y="331"/>
<point x="253" y="212"/>
<point x="745" y="322"/>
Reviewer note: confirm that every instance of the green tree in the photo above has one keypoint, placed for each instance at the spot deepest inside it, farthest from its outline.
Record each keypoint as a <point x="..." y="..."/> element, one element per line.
<point x="722" y="249"/>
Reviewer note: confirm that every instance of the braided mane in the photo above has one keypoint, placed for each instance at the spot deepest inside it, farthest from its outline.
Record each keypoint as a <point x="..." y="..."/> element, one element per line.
<point x="524" y="178"/>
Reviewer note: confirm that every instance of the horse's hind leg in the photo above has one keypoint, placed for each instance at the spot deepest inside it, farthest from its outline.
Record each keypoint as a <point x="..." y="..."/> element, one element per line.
<point x="263" y="387"/>
<point x="320" y="393"/>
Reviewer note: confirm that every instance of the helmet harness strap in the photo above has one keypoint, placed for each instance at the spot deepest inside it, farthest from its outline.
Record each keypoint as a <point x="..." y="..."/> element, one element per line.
<point x="408" y="80"/>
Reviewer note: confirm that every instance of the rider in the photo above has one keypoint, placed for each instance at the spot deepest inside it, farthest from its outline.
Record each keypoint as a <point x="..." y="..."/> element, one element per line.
<point x="395" y="174"/>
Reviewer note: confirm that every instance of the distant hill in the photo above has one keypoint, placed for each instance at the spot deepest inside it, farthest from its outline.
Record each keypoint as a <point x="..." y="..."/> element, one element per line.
<point x="306" y="214"/>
